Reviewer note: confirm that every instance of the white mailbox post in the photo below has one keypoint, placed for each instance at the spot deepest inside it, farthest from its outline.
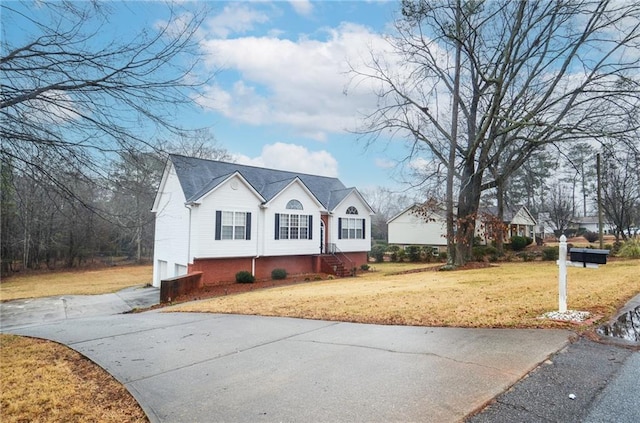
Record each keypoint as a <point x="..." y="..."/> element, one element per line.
<point x="580" y="257"/>
<point x="562" y="275"/>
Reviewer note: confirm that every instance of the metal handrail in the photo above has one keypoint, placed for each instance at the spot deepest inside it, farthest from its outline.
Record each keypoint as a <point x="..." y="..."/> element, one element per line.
<point x="335" y="251"/>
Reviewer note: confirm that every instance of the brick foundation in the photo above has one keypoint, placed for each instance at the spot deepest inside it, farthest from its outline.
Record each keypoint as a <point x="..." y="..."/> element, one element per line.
<point x="172" y="288"/>
<point x="222" y="271"/>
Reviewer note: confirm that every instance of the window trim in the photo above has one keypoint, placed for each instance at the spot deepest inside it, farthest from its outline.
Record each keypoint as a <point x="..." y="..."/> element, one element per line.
<point x="294" y="204"/>
<point x="356" y="227"/>
<point x="280" y="217"/>
<point x="234" y="230"/>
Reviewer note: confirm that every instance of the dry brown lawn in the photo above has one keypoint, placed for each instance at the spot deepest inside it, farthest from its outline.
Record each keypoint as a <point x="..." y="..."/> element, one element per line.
<point x="88" y="282"/>
<point x="503" y="295"/>
<point x="41" y="381"/>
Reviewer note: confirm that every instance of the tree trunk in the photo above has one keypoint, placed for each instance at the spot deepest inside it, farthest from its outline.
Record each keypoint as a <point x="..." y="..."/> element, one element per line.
<point x="499" y="232"/>
<point x="453" y="142"/>
<point x="468" y="203"/>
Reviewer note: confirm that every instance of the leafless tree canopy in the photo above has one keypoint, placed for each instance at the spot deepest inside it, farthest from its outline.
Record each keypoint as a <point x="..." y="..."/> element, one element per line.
<point x="531" y="73"/>
<point x="83" y="110"/>
<point x="71" y="95"/>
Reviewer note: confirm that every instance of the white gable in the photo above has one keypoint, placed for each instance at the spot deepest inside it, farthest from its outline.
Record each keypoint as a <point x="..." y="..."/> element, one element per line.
<point x="232" y="195"/>
<point x="408" y="228"/>
<point x="298" y="191"/>
<point x="523" y="218"/>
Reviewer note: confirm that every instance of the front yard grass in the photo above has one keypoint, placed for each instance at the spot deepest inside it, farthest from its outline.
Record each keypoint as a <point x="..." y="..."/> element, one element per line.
<point x="77" y="282"/>
<point x="41" y="381"/>
<point x="503" y="295"/>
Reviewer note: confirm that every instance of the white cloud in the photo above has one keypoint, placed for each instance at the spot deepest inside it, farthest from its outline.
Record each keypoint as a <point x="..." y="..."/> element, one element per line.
<point x="294" y="158"/>
<point x="385" y="163"/>
<point x="235" y="18"/>
<point x="299" y="83"/>
<point x="302" y="7"/>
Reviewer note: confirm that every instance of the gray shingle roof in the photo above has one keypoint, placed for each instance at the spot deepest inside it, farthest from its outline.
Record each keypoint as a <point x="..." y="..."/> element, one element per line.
<point x="199" y="176"/>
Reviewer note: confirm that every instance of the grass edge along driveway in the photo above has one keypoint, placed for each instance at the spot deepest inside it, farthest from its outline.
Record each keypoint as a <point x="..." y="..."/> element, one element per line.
<point x="505" y="295"/>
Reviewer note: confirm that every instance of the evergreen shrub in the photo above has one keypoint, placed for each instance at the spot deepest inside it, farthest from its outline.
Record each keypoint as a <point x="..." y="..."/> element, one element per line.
<point x="245" y="276"/>
<point x="278" y="274"/>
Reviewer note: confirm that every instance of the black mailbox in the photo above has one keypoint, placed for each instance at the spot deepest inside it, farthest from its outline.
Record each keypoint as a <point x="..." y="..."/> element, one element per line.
<point x="589" y="255"/>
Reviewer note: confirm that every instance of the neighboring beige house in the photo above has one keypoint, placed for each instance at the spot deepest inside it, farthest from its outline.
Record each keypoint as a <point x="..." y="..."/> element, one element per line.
<point x="516" y="220"/>
<point x="409" y="228"/>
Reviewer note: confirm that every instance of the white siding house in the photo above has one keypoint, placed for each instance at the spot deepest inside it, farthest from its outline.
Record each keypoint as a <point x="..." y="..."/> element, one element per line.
<point x="220" y="218"/>
<point x="409" y="228"/>
<point x="516" y="220"/>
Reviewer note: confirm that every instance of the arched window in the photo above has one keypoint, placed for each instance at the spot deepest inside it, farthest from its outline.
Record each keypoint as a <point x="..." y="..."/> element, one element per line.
<point x="352" y="210"/>
<point x="294" y="205"/>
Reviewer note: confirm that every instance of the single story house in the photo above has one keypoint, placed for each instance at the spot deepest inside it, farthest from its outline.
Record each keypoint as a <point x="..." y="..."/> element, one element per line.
<point x="410" y="228"/>
<point x="589" y="223"/>
<point x="516" y="221"/>
<point x="221" y="218"/>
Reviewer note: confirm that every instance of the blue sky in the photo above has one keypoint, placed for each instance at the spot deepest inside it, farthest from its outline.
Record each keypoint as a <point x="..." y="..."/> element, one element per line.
<point x="281" y="96"/>
<point x="280" y="100"/>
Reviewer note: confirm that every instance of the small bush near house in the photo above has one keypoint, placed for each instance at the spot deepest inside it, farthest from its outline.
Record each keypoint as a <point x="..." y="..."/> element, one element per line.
<point x="394" y="253"/>
<point x="427" y="253"/>
<point x="245" y="276"/>
<point x="630" y="249"/>
<point x="550" y="253"/>
<point x="490" y="250"/>
<point x="402" y="254"/>
<point x="478" y="253"/>
<point x="364" y="267"/>
<point x="278" y="274"/>
<point x="591" y="236"/>
<point x="443" y="256"/>
<point x="413" y="253"/>
<point x="518" y="243"/>
<point x="526" y="256"/>
<point x="377" y="252"/>
<point x="615" y="248"/>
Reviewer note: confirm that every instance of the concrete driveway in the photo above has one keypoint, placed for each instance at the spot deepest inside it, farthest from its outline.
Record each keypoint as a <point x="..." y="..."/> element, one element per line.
<point x="209" y="368"/>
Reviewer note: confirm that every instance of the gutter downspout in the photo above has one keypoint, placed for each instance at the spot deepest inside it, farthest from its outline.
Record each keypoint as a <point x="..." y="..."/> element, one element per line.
<point x="259" y="241"/>
<point x="189" y="206"/>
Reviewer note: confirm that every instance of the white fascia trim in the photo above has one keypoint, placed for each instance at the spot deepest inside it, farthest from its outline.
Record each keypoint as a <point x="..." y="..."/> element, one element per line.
<point x="233" y="175"/>
<point x="304" y="187"/>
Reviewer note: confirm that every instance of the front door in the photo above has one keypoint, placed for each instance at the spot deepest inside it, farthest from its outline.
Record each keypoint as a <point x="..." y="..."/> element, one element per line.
<point x="321" y="237"/>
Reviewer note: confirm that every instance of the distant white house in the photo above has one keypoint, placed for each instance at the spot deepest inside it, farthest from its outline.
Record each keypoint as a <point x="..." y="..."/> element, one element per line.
<point x="220" y="218"/>
<point x="589" y="223"/>
<point x="516" y="220"/>
<point x="409" y="228"/>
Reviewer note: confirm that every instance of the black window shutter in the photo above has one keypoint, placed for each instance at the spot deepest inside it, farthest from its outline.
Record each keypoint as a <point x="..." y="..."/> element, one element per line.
<point x="248" y="226"/>
<point x="339" y="228"/>
<point x="277" y="230"/>
<point x="363" y="226"/>
<point x="310" y="227"/>
<point x="218" y="224"/>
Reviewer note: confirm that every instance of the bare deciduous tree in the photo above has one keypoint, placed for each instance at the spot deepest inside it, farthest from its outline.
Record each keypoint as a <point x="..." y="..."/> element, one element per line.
<point x="75" y="95"/>
<point x="531" y="74"/>
<point x="621" y="189"/>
